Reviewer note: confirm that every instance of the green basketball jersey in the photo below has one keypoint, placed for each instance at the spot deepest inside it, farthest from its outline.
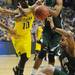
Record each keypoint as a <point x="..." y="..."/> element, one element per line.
<point x="50" y="2"/>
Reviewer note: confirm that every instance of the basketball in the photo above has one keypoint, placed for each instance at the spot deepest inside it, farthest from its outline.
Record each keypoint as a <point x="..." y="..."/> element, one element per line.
<point x="41" y="12"/>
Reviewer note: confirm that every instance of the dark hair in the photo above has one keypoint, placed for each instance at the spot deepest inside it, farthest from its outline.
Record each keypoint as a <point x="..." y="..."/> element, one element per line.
<point x="31" y="2"/>
<point x="23" y="3"/>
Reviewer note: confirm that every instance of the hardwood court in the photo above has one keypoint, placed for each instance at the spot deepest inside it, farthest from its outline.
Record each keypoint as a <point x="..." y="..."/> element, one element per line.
<point x="9" y="61"/>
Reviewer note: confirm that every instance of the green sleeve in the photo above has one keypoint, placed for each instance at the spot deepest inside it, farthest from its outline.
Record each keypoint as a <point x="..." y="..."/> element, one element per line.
<point x="58" y="72"/>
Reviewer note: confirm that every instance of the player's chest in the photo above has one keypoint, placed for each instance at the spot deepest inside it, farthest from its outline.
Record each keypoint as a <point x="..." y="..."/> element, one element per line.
<point x="24" y="23"/>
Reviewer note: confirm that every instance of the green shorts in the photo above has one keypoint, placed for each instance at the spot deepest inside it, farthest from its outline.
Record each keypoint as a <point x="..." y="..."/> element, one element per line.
<point x="51" y="39"/>
<point x="59" y="72"/>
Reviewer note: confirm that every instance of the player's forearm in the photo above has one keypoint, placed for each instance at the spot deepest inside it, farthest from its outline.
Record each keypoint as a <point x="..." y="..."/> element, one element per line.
<point x="10" y="12"/>
<point x="70" y="38"/>
<point x="3" y="26"/>
<point x="63" y="32"/>
<point x="4" y="11"/>
<point x="58" y="30"/>
<point x="25" y="11"/>
<point x="28" y="10"/>
<point x="31" y="8"/>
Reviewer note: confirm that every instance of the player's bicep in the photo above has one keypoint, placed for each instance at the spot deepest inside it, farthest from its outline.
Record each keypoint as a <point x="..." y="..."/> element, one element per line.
<point x="58" y="6"/>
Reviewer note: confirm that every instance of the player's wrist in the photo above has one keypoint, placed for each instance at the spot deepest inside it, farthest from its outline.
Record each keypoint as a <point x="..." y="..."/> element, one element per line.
<point x="53" y="28"/>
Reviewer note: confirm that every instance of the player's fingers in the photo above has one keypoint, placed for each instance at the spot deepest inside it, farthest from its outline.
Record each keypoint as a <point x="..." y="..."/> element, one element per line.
<point x="19" y="5"/>
<point x="39" y="2"/>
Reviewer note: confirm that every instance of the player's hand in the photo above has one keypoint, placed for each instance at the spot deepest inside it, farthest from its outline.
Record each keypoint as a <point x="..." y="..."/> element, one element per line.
<point x="39" y="2"/>
<point x="19" y="6"/>
<point x="23" y="11"/>
<point x="18" y="17"/>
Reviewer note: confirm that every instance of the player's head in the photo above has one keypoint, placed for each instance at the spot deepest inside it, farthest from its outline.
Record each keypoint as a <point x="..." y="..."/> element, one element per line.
<point x="24" y="3"/>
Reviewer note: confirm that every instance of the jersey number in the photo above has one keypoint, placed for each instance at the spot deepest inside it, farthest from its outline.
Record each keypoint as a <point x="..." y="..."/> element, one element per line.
<point x="26" y="25"/>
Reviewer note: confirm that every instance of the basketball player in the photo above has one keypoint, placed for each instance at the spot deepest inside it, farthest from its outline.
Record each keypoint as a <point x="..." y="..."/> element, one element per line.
<point x="22" y="44"/>
<point x="67" y="57"/>
<point x="50" y="38"/>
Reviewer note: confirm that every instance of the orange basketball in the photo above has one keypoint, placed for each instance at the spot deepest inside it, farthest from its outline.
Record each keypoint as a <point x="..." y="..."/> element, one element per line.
<point x="41" y="12"/>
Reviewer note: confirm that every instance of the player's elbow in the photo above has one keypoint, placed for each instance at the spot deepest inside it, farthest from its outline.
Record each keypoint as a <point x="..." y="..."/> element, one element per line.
<point x="55" y="13"/>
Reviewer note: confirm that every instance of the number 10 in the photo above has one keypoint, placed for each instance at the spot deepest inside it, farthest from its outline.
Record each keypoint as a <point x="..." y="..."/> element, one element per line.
<point x="25" y="25"/>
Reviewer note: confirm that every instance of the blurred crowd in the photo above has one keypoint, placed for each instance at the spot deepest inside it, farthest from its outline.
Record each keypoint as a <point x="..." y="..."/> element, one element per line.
<point x="8" y="21"/>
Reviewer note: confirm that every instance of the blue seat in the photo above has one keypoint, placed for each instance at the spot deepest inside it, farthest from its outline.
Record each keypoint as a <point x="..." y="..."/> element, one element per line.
<point x="6" y="48"/>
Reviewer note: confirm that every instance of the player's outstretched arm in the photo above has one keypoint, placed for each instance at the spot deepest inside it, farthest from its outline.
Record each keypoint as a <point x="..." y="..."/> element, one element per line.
<point x="58" y="30"/>
<point x="8" y="11"/>
<point x="70" y="39"/>
<point x="67" y="34"/>
<point x="31" y="8"/>
<point x="63" y="32"/>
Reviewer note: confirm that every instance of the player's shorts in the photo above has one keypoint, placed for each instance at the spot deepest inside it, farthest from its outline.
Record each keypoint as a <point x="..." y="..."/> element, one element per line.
<point x="51" y="40"/>
<point x="38" y="47"/>
<point x="59" y="72"/>
<point x="22" y="45"/>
